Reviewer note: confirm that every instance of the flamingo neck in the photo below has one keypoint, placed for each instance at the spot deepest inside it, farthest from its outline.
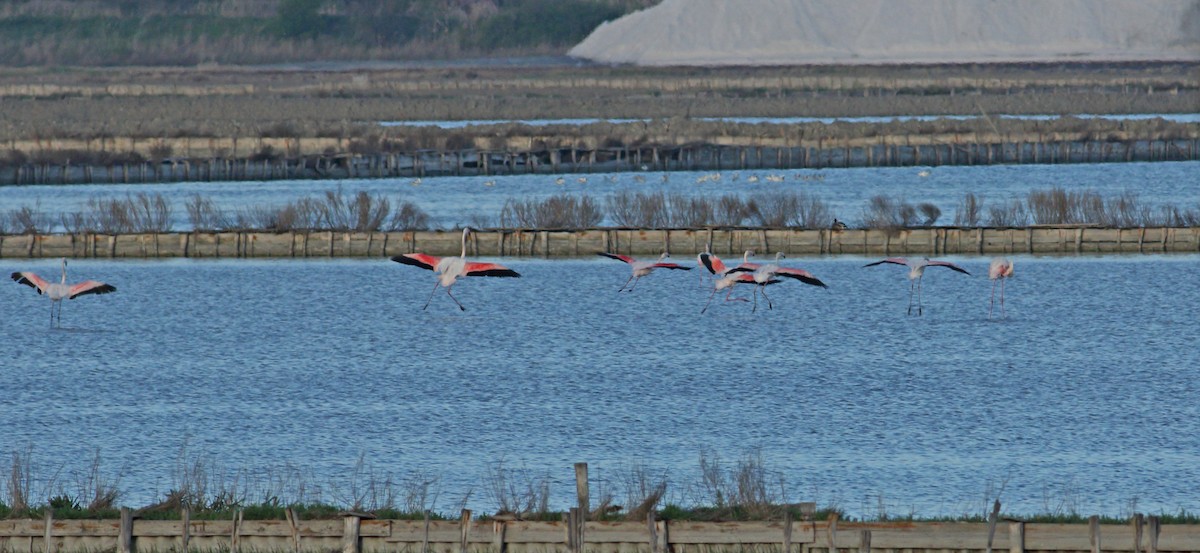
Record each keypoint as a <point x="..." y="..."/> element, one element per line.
<point x="466" y="231"/>
<point x="64" y="271"/>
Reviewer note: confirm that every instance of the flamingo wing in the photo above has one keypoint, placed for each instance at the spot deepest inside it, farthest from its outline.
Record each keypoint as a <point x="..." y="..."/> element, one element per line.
<point x="894" y="260"/>
<point x="89" y="287"/>
<point x="475" y="268"/>
<point x="948" y="265"/>
<point x="421" y="260"/>
<point x="31" y="280"/>
<point x="801" y="275"/>
<point x="670" y="266"/>
<point x="713" y="263"/>
<point x="618" y="256"/>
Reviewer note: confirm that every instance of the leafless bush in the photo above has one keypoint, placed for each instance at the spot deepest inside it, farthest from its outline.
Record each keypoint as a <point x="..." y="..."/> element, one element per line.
<point x="643" y="491"/>
<point x="689" y="211"/>
<point x="931" y="213"/>
<point x="408" y="216"/>
<point x="1012" y="215"/>
<point x="518" y="491"/>
<point x="99" y="491"/>
<point x="203" y="213"/>
<point x="730" y="211"/>
<point x="140" y="213"/>
<point x="368" y="491"/>
<point x="883" y="212"/>
<point x="639" y="210"/>
<point x="1125" y="211"/>
<point x="1177" y="217"/>
<point x="29" y="220"/>
<point x="74" y="222"/>
<point x="200" y="482"/>
<point x="748" y="488"/>
<point x="560" y="212"/>
<point x="363" y="212"/>
<point x="1055" y="207"/>
<point x="419" y="492"/>
<point x="968" y="213"/>
<point x="785" y="209"/>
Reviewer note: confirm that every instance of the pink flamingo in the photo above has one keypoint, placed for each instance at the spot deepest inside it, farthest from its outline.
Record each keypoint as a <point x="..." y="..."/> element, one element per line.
<point x="640" y="269"/>
<point x="1000" y="270"/>
<point x="916" y="271"/>
<point x="727" y="277"/>
<point x="763" y="274"/>
<point x="57" y="291"/>
<point x="449" y="269"/>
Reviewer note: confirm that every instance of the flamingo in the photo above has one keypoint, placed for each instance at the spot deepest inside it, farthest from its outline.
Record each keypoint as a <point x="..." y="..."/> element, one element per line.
<point x="763" y="274"/>
<point x="449" y="269"/>
<point x="640" y="269"/>
<point x="1000" y="270"/>
<point x="57" y="291"/>
<point x="916" y="271"/>
<point x="728" y="277"/>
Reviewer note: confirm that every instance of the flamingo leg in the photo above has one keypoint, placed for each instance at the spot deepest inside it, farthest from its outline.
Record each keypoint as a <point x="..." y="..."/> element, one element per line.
<point x="920" y="306"/>
<point x="460" y="306"/>
<point x="626" y="284"/>
<point x="1002" y="284"/>
<point x="755" y="300"/>
<point x="764" y="293"/>
<point x="710" y="297"/>
<point x="912" y="284"/>
<point x="435" y="287"/>
<point x="993" y="302"/>
<point x="729" y="296"/>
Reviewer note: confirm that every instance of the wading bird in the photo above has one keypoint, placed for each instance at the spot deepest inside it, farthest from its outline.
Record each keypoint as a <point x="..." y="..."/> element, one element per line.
<point x="764" y="274"/>
<point x="1001" y="270"/>
<point x="726" y="277"/>
<point x="640" y="269"/>
<point x="449" y="269"/>
<point x="916" y="271"/>
<point x="58" y="291"/>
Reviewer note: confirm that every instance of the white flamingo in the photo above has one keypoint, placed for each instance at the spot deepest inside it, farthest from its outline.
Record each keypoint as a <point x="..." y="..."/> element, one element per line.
<point x="58" y="291"/>
<point x="639" y="269"/>
<point x="727" y="277"/>
<point x="1000" y="270"/>
<point x="449" y="269"/>
<point x="916" y="271"/>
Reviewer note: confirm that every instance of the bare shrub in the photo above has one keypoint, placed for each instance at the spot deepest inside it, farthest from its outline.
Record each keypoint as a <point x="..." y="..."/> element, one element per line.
<point x="140" y="213"/>
<point x="561" y="211"/>
<point x="203" y="213"/>
<point x="689" y="211"/>
<point x="730" y="211"/>
<point x="408" y="216"/>
<point x="74" y="222"/>
<point x="368" y="491"/>
<point x="419" y="492"/>
<point x="362" y="212"/>
<point x="639" y="210"/>
<point x="883" y="212"/>
<point x="98" y="490"/>
<point x="29" y="220"/>
<point x="1055" y="207"/>
<point x="518" y="491"/>
<point x="747" y="490"/>
<point x="930" y="212"/>
<point x="969" y="211"/>
<point x="1126" y="211"/>
<point x="643" y="491"/>
<point x="772" y="210"/>
<point x="1011" y="215"/>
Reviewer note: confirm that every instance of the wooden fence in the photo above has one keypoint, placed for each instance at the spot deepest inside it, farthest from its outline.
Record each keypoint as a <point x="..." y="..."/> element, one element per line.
<point x="357" y="533"/>
<point x="578" y="243"/>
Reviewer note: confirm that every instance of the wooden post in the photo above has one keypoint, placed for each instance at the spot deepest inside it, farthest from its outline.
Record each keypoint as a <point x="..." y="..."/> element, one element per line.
<point x="464" y="530"/>
<point x="864" y="542"/>
<point x="833" y="519"/>
<point x="294" y="525"/>
<point x="425" y="539"/>
<point x="1152" y="524"/>
<point x="49" y="531"/>
<point x="992" y="525"/>
<point x="351" y="524"/>
<point x="581" y="488"/>
<point x="125" y="541"/>
<point x="185" y="517"/>
<point x="652" y="527"/>
<point x="787" y="532"/>
<point x="499" y="528"/>
<point x="235" y="540"/>
<point x="1137" y="532"/>
<point x="1016" y="537"/>
<point x="1094" y="533"/>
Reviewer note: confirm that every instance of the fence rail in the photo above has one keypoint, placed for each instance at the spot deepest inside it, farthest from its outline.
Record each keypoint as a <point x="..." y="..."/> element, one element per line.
<point x="578" y="243"/>
<point x="357" y="533"/>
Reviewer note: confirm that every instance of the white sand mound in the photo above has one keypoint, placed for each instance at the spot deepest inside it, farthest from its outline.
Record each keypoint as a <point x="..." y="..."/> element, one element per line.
<point x="789" y="32"/>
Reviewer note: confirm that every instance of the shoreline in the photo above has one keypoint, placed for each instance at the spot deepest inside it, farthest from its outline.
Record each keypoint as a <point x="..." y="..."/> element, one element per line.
<point x="545" y="243"/>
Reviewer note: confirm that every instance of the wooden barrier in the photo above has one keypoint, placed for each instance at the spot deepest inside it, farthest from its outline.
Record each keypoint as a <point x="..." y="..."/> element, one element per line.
<point x="582" y="243"/>
<point x="356" y="533"/>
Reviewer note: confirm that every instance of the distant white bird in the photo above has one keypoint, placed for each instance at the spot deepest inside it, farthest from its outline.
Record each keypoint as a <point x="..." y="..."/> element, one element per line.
<point x="639" y="269"/>
<point x="1000" y="270"/>
<point x="58" y="291"/>
<point x="449" y="269"/>
<point x="924" y="173"/>
<point x="916" y="271"/>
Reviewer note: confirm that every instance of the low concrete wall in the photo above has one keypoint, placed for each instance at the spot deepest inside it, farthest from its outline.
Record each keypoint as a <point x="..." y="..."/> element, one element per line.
<point x="354" y="535"/>
<point x="579" y="243"/>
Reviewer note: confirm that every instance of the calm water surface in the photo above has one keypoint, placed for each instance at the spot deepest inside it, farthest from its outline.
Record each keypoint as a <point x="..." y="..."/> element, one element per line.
<point x="1083" y="397"/>
<point x="455" y="201"/>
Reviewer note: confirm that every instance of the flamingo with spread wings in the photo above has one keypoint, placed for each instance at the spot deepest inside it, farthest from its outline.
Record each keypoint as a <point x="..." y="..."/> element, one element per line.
<point x="764" y="274"/>
<point x="639" y="269"/>
<point x="450" y="269"/>
<point x="726" y="276"/>
<point x="1000" y="270"/>
<point x="58" y="291"/>
<point x="916" y="272"/>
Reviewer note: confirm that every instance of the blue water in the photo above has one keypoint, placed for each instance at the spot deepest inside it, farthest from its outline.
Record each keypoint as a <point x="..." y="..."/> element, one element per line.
<point x="1082" y="397"/>
<point x="456" y="201"/>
